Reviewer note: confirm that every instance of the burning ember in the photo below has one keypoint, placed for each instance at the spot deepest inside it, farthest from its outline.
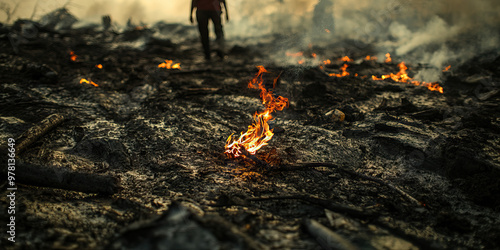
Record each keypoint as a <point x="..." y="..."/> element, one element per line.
<point x="342" y="73"/>
<point x="346" y="59"/>
<point x="168" y="64"/>
<point x="388" y="58"/>
<point x="83" y="80"/>
<point x="447" y="68"/>
<point x="370" y="58"/>
<point x="99" y="66"/>
<point x="327" y="30"/>
<point x="73" y="56"/>
<point x="258" y="134"/>
<point x="402" y="76"/>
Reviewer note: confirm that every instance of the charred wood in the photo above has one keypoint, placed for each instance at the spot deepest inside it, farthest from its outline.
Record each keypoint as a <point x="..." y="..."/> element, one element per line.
<point x="34" y="133"/>
<point x="326" y="237"/>
<point x="42" y="176"/>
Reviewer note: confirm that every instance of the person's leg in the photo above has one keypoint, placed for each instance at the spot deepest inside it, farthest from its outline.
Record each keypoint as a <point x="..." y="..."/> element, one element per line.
<point x="219" y="32"/>
<point x="202" y="18"/>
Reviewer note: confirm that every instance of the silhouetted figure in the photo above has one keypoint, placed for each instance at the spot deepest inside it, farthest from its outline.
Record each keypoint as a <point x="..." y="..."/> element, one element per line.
<point x="206" y="10"/>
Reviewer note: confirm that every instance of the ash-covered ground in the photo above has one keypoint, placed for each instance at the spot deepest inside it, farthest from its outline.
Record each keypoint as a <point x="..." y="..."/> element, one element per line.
<point x="162" y="134"/>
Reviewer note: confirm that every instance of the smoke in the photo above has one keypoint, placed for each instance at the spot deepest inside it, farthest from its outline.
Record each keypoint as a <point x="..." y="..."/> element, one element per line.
<point x="436" y="33"/>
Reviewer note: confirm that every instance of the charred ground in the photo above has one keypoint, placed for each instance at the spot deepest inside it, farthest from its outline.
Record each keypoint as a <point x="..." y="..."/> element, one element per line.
<point x="162" y="134"/>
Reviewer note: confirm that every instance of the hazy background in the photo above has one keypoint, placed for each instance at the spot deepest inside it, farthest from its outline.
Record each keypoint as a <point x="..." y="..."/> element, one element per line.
<point x="437" y="33"/>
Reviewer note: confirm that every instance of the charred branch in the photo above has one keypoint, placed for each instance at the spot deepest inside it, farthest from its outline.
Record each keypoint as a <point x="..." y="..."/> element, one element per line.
<point x="42" y="176"/>
<point x="34" y="133"/>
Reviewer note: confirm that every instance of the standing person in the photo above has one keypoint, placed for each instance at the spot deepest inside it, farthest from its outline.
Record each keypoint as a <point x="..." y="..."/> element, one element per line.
<point x="206" y="10"/>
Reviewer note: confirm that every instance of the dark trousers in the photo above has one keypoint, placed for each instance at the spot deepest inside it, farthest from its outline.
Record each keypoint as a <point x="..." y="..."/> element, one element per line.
<point x="202" y="17"/>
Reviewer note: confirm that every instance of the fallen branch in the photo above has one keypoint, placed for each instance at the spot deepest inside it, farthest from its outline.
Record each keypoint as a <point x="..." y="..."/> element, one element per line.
<point x="34" y="133"/>
<point x="320" y="202"/>
<point x="42" y="176"/>
<point x="305" y="166"/>
<point x="326" y="237"/>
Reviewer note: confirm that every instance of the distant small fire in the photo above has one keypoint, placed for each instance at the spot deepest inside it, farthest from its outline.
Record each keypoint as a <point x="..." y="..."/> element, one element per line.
<point x="169" y="64"/>
<point x="258" y="134"/>
<point x="73" y="56"/>
<point x="342" y="73"/>
<point x="388" y="58"/>
<point x="371" y="58"/>
<point x="83" y="80"/>
<point x="99" y="66"/>
<point x="346" y="59"/>
<point x="447" y="68"/>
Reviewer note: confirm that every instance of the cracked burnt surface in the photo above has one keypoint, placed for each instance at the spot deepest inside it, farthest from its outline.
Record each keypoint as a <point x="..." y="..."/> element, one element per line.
<point x="162" y="133"/>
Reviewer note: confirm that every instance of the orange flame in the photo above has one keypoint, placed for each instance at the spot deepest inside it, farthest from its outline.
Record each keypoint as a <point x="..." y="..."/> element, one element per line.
<point x="168" y="65"/>
<point x="327" y="30"/>
<point x="314" y="55"/>
<point x="258" y="134"/>
<point x="99" y="66"/>
<point x="83" y="80"/>
<point x="388" y="58"/>
<point x="402" y="76"/>
<point x="345" y="59"/>
<point x="447" y="68"/>
<point x="343" y="73"/>
<point x="370" y="58"/>
<point x="73" y="56"/>
<point x="327" y="61"/>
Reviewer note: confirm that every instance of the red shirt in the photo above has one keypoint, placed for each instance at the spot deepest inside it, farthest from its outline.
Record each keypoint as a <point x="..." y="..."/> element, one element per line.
<point x="208" y="5"/>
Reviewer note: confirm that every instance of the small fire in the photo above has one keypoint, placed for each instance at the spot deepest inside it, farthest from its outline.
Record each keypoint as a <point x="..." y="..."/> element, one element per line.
<point x="370" y="58"/>
<point x="402" y="76"/>
<point x="83" y="80"/>
<point x="327" y="30"/>
<point x="343" y="73"/>
<point x="258" y="134"/>
<point x="99" y="66"/>
<point x="314" y="55"/>
<point x="168" y="64"/>
<point x="73" y="56"/>
<point x="346" y="59"/>
<point x="447" y="68"/>
<point x="301" y="61"/>
<point x="327" y="61"/>
<point x="388" y="58"/>
<point x="294" y="54"/>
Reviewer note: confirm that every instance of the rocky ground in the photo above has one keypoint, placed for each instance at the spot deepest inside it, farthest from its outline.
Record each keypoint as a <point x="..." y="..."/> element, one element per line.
<point x="433" y="159"/>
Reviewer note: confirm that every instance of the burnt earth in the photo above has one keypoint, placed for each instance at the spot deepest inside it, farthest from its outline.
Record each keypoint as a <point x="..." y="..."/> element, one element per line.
<point x="162" y="133"/>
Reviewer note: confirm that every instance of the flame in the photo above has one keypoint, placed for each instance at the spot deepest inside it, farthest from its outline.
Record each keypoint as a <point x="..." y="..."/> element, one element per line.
<point x="343" y="73"/>
<point x="345" y="59"/>
<point x="73" y="56"/>
<point x="294" y="54"/>
<point x="99" y="66"/>
<point x="83" y="80"/>
<point x="327" y="61"/>
<point x="447" y="68"/>
<point x="327" y="30"/>
<point x="258" y="134"/>
<point x="301" y="61"/>
<point x="314" y="55"/>
<point x="402" y="76"/>
<point x="388" y="58"/>
<point x="370" y="58"/>
<point x="168" y="65"/>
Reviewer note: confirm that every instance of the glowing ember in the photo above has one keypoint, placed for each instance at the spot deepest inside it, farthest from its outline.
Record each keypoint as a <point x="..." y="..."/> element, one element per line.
<point x="314" y="55"/>
<point x="327" y="30"/>
<point x="294" y="54"/>
<point x="301" y="61"/>
<point x="402" y="76"/>
<point x="447" y="68"/>
<point x="388" y="58"/>
<point x="73" y="56"/>
<point x="327" y="61"/>
<point x="370" y="58"/>
<point x="99" y="66"/>
<point x="342" y="73"/>
<point x="345" y="59"/>
<point x="258" y="134"/>
<point x="168" y="64"/>
<point x="83" y="80"/>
